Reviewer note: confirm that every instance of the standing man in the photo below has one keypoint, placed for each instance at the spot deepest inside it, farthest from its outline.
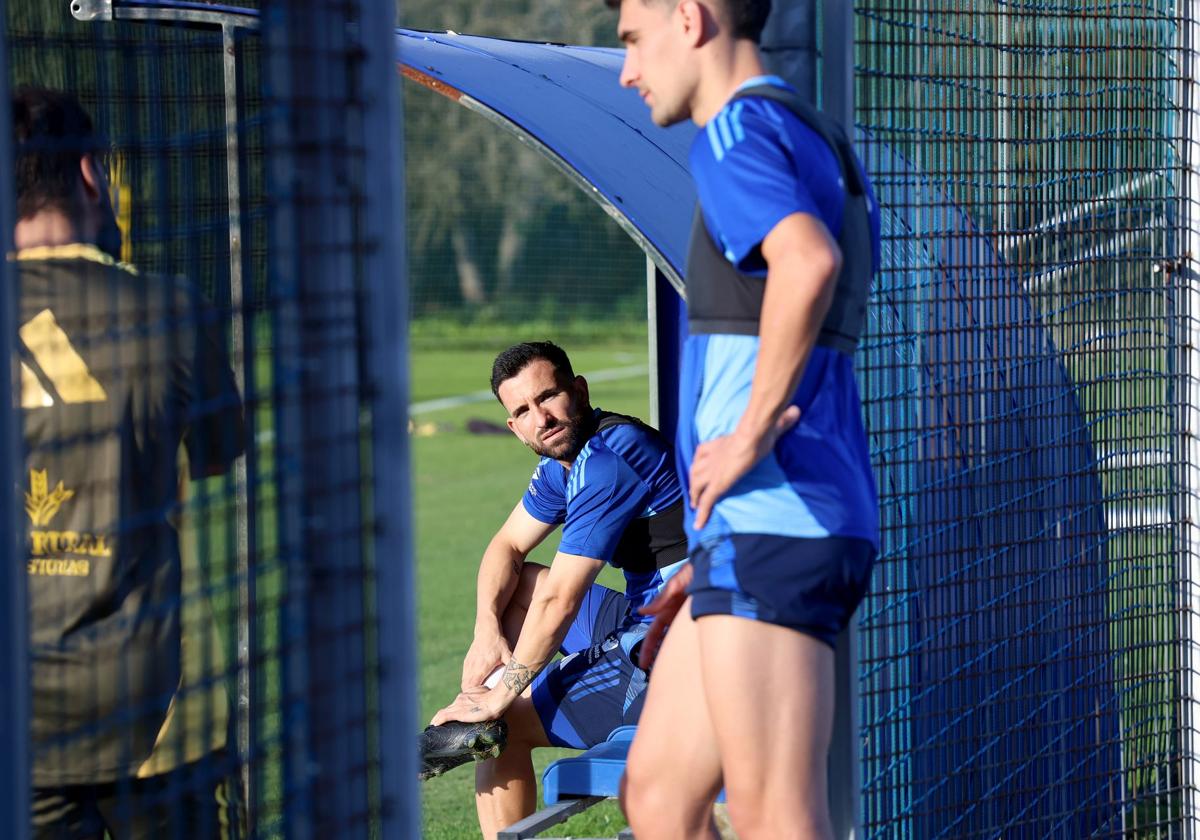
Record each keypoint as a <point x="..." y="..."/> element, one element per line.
<point x="782" y="519"/>
<point x="609" y="481"/>
<point x="118" y="371"/>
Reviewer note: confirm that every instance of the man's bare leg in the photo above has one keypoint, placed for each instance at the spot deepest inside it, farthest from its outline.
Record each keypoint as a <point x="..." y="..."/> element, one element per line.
<point x="505" y="787"/>
<point x="770" y="696"/>
<point x="673" y="773"/>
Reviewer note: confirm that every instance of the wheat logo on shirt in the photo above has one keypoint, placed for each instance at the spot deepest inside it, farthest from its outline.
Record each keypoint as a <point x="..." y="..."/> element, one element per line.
<point x="42" y="503"/>
<point x="57" y="553"/>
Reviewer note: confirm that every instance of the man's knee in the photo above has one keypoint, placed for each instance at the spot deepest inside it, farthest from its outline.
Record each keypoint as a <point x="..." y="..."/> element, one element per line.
<point x="525" y="728"/>
<point x="639" y="793"/>
<point x="531" y="575"/>
<point x="655" y="808"/>
<point x="518" y="605"/>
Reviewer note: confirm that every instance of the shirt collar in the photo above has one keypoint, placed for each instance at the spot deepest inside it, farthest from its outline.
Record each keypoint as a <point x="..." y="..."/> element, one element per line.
<point x="769" y="79"/>
<point x="71" y="251"/>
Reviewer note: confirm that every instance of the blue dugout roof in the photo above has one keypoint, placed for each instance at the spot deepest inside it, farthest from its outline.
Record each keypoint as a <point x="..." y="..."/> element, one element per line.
<point x="565" y="101"/>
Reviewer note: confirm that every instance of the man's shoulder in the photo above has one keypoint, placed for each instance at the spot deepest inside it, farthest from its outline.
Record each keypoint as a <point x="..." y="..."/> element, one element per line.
<point x="107" y="276"/>
<point x="620" y="433"/>
<point x="753" y="127"/>
<point x="622" y="446"/>
<point x="545" y="470"/>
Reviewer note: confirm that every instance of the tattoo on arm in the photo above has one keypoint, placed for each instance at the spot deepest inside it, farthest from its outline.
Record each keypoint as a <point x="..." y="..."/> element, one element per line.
<point x="517" y="677"/>
<point x="517" y="563"/>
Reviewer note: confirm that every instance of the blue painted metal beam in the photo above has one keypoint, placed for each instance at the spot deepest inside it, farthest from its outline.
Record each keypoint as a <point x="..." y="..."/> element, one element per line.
<point x="14" y="643"/>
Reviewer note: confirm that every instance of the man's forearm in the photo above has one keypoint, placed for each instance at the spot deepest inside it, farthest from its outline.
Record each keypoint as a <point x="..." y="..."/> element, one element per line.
<point x="545" y="627"/>
<point x="499" y="574"/>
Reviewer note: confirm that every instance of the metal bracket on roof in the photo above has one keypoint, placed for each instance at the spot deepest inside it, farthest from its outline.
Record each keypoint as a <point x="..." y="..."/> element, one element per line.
<point x="186" y="12"/>
<point x="92" y="9"/>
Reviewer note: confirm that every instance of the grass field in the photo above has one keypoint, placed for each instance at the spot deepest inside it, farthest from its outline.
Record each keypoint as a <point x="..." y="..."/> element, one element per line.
<point x="465" y="485"/>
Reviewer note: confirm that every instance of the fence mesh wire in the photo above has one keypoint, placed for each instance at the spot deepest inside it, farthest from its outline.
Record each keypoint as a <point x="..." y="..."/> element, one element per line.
<point x="234" y="739"/>
<point x="1020" y="649"/>
<point x="1026" y="371"/>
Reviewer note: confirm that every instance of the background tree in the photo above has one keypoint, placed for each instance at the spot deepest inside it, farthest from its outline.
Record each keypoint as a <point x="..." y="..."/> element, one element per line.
<point x="481" y="193"/>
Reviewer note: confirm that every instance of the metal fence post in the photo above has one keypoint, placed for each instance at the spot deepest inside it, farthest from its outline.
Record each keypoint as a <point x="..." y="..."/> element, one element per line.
<point x="1188" y="342"/>
<point x="385" y="303"/>
<point x="312" y="178"/>
<point x="845" y="759"/>
<point x="14" y="648"/>
<point x="789" y="44"/>
<point x="336" y="239"/>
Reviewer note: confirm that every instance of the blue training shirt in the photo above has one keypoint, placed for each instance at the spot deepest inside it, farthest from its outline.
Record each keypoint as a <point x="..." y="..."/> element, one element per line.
<point x="754" y="164"/>
<point x="623" y="472"/>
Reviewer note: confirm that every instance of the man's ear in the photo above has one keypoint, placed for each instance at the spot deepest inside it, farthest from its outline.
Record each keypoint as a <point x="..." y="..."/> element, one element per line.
<point x="695" y="20"/>
<point x="581" y="389"/>
<point x="512" y="427"/>
<point x="94" y="183"/>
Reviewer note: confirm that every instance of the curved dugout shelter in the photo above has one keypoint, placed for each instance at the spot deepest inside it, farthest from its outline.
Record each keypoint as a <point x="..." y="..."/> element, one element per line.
<point x="987" y="683"/>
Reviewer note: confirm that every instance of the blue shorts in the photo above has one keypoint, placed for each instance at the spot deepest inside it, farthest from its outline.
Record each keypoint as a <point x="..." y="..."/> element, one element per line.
<point x="809" y="585"/>
<point x="596" y="686"/>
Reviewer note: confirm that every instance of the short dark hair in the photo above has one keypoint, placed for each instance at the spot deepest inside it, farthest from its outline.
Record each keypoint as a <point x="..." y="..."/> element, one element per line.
<point x="516" y="358"/>
<point x="747" y="17"/>
<point x="51" y="132"/>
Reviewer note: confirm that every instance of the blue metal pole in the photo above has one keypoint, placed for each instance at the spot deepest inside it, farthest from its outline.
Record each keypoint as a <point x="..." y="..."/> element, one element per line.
<point x="670" y="327"/>
<point x="14" y="645"/>
<point x="341" y="378"/>
<point x="789" y="44"/>
<point x="315" y="147"/>
<point x="385" y="304"/>
<point x="283" y="277"/>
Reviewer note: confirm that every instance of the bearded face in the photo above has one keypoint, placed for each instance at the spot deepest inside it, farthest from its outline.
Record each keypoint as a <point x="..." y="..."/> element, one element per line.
<point x="547" y="411"/>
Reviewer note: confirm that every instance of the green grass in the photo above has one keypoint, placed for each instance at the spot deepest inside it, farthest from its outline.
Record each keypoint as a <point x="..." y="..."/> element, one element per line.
<point x="464" y="487"/>
<point x="451" y="371"/>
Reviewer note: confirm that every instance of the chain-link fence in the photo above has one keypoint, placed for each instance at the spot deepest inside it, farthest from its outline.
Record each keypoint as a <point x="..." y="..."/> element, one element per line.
<point x="204" y="478"/>
<point x="1022" y="646"/>
<point x="1025" y="657"/>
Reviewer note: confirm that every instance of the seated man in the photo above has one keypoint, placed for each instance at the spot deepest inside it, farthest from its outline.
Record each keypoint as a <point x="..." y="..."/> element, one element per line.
<point x="610" y="481"/>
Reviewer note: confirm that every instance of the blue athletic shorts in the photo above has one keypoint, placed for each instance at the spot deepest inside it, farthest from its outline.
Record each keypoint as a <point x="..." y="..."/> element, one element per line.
<point x="810" y="585"/>
<point x="596" y="686"/>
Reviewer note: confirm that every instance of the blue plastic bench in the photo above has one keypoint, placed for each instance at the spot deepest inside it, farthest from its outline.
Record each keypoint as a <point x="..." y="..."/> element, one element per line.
<point x="574" y="784"/>
<point x="596" y="772"/>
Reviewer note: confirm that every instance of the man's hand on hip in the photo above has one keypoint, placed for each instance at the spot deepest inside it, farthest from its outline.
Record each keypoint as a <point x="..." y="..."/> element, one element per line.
<point x="664" y="608"/>
<point x="719" y="463"/>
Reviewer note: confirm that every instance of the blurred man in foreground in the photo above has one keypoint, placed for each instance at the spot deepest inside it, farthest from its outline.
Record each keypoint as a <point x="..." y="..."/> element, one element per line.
<point x="118" y="371"/>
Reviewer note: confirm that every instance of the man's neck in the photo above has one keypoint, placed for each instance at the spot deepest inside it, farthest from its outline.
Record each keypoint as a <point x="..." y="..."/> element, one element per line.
<point x="726" y="67"/>
<point x="591" y="424"/>
<point x="46" y="228"/>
